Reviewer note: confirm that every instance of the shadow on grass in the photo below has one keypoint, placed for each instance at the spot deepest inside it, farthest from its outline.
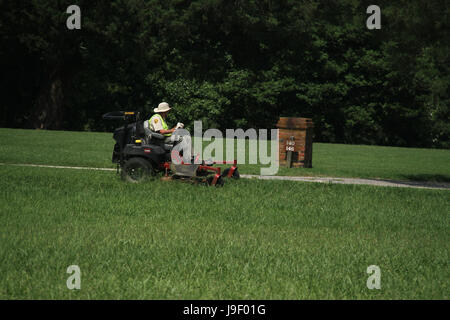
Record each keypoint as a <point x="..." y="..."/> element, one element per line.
<point x="427" y="177"/>
<point x="423" y="180"/>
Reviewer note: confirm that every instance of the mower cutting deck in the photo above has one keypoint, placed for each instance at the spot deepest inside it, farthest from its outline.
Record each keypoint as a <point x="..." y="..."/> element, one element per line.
<point x="140" y="157"/>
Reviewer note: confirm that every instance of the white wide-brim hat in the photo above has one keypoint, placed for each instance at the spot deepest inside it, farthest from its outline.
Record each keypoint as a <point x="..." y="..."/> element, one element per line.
<point x="162" y="107"/>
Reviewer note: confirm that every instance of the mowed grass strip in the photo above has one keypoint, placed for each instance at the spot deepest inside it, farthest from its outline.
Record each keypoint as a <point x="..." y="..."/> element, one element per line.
<point x="91" y="149"/>
<point x="250" y="239"/>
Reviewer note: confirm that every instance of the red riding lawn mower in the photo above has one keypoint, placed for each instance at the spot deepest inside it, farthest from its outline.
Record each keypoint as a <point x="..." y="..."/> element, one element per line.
<point x="141" y="157"/>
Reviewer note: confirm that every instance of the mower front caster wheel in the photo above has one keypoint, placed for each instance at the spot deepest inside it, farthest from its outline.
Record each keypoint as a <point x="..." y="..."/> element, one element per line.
<point x="235" y="174"/>
<point x="219" y="182"/>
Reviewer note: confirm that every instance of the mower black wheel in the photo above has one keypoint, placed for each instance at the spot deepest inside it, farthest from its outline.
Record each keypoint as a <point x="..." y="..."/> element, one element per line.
<point x="235" y="174"/>
<point x="137" y="170"/>
<point x="220" y="182"/>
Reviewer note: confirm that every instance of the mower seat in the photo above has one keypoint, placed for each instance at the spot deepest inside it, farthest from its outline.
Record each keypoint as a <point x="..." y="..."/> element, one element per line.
<point x="155" y="137"/>
<point x="158" y="139"/>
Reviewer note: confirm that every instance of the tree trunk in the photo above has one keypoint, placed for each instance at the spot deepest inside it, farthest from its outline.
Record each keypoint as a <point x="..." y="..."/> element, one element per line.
<point x="49" y="104"/>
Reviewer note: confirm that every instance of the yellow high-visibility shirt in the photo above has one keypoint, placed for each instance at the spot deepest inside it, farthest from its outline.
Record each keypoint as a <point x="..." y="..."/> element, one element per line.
<point x="157" y="123"/>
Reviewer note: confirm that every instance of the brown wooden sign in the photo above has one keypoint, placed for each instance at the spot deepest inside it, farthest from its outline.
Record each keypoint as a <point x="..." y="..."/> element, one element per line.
<point x="295" y="144"/>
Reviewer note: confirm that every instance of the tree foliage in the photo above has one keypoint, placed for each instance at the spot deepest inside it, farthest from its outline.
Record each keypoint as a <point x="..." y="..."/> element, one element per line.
<point x="232" y="63"/>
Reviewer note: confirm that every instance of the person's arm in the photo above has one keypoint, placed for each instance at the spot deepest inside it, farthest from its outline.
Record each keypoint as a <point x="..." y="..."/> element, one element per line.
<point x="162" y="131"/>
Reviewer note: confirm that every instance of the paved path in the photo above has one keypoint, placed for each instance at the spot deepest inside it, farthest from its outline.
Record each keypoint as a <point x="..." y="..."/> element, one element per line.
<point x="331" y="180"/>
<point x="54" y="167"/>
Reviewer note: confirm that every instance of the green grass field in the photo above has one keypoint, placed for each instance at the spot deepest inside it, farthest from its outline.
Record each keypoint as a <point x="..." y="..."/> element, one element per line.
<point x="334" y="160"/>
<point x="251" y="239"/>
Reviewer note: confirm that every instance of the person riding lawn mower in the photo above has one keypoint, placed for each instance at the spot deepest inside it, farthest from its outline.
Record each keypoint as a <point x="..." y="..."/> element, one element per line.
<point x="143" y="149"/>
<point x="157" y="123"/>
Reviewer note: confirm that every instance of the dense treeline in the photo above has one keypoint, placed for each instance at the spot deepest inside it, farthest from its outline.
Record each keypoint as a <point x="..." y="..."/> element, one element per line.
<point x="232" y="63"/>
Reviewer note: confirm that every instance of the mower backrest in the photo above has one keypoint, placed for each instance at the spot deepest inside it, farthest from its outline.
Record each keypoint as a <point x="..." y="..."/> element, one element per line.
<point x="140" y="132"/>
<point x="152" y="134"/>
<point x="125" y="136"/>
